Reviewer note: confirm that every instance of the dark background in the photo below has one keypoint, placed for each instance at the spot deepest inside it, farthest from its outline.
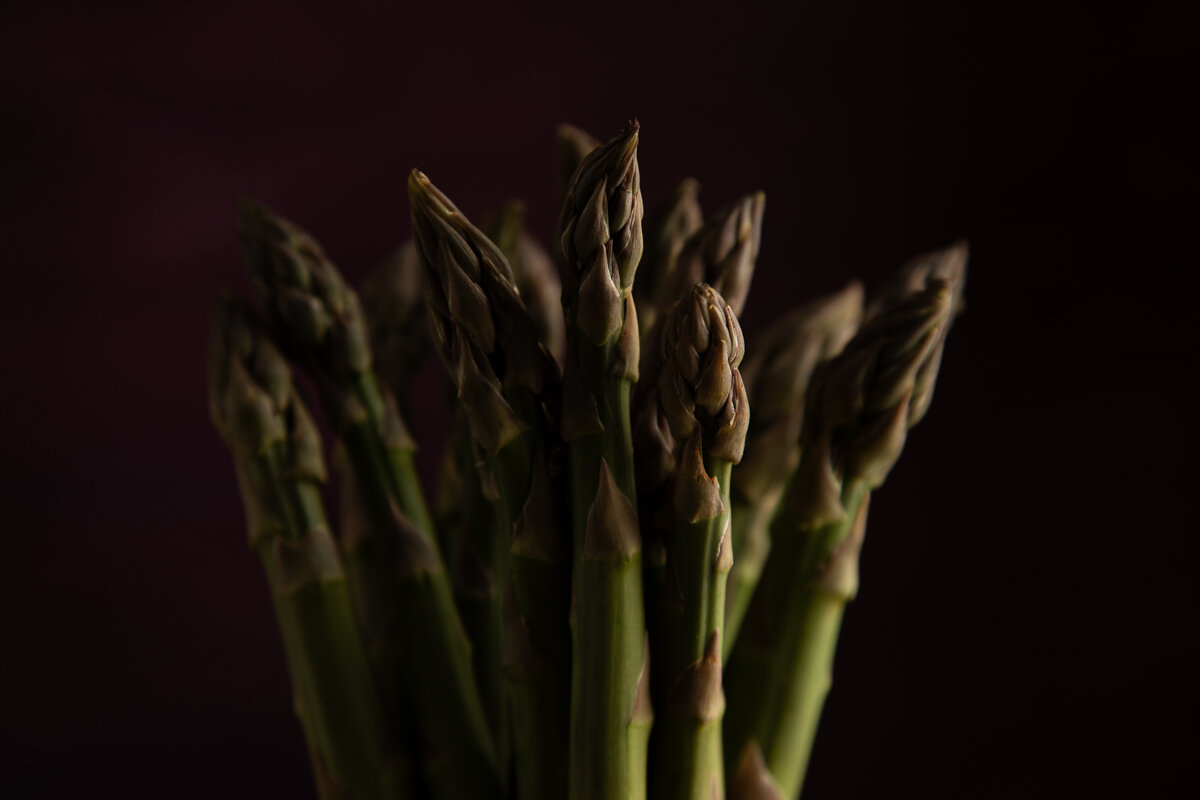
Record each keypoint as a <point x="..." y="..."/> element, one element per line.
<point x="1027" y="624"/>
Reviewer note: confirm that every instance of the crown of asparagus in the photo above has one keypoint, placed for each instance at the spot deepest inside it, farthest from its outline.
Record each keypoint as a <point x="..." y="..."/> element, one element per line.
<point x="602" y="238"/>
<point x="948" y="265"/>
<point x="255" y="408"/>
<point x="722" y="254"/>
<point x="777" y="371"/>
<point x="482" y="330"/>
<point x="667" y="229"/>
<point x="251" y="397"/>
<point x="700" y="386"/>
<point x="862" y="403"/>
<point x="305" y="292"/>
<point x="319" y="319"/>
<point x="394" y="304"/>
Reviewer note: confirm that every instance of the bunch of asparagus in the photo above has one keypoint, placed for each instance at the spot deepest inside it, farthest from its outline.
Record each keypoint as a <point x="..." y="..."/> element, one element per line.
<point x="628" y="586"/>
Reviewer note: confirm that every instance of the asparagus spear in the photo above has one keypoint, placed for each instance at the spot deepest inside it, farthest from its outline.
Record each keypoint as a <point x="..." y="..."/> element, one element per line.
<point x="667" y="227"/>
<point x="474" y="548"/>
<point x="722" y="254"/>
<point x="461" y="325"/>
<point x="655" y="452"/>
<point x="948" y="264"/>
<point x="324" y="326"/>
<point x="859" y="409"/>
<point x="777" y="373"/>
<point x="534" y="273"/>
<point x="601" y="243"/>
<point x="403" y="593"/>
<point x="280" y="469"/>
<point x="509" y="386"/>
<point x="395" y="316"/>
<point x="704" y="401"/>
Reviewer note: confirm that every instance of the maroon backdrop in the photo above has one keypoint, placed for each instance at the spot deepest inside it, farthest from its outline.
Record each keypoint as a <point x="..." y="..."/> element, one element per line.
<point x="1027" y="619"/>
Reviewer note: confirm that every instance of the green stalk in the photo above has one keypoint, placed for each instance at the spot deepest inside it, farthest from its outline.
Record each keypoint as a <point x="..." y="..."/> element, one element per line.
<point x="750" y="528"/>
<point x="277" y="453"/>
<point x="383" y="429"/>
<point x="537" y="643"/>
<point x="601" y="242"/>
<point x="451" y="500"/>
<point x="406" y="605"/>
<point x="778" y="687"/>
<point x="859" y="410"/>
<point x="508" y="385"/>
<point x="434" y="654"/>
<point x="459" y="759"/>
<point x="777" y="373"/>
<point x="654" y="452"/>
<point x="335" y="691"/>
<point x="478" y="555"/>
<point x="703" y="400"/>
<point x="610" y="712"/>
<point x="685" y="752"/>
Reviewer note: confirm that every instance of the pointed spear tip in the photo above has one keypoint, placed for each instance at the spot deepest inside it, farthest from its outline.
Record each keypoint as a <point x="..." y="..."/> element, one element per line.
<point x="629" y="141"/>
<point x="416" y="180"/>
<point x="426" y="197"/>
